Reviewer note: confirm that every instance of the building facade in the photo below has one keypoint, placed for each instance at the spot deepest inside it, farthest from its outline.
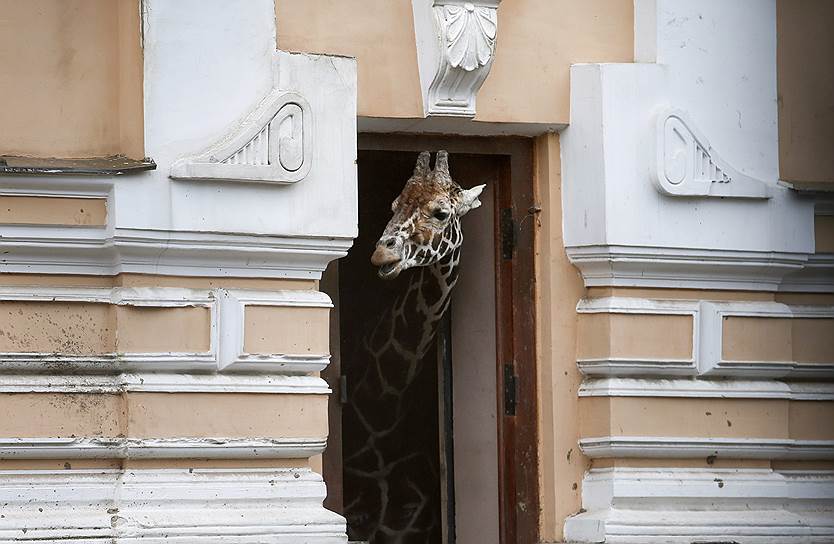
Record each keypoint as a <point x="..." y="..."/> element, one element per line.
<point x="180" y="179"/>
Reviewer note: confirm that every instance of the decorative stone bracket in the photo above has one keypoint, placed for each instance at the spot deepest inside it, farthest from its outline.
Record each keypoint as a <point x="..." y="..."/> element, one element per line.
<point x="455" y="49"/>
<point x="273" y="144"/>
<point x="687" y="165"/>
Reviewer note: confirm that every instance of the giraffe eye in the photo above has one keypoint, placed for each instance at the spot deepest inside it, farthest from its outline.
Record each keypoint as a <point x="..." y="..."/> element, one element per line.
<point x="440" y="215"/>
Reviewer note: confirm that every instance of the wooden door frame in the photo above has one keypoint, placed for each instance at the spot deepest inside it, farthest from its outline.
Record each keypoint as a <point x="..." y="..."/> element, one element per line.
<point x="518" y="469"/>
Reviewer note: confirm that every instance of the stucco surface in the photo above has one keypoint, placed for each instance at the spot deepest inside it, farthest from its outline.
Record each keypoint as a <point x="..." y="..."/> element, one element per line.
<point x="270" y="329"/>
<point x="52" y="211"/>
<point x="778" y="339"/>
<point x="559" y="288"/>
<point x="537" y="42"/>
<point x="70" y="70"/>
<point x="643" y="416"/>
<point x="634" y="335"/>
<point x="805" y="54"/>
<point x="232" y="415"/>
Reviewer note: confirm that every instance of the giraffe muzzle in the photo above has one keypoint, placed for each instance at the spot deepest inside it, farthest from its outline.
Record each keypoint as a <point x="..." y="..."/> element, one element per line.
<point x="387" y="260"/>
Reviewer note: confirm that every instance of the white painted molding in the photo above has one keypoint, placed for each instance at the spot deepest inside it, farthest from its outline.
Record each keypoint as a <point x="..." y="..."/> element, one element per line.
<point x="225" y="346"/>
<point x="247" y="505"/>
<point x="707" y="339"/>
<point x="163" y="382"/>
<point x="687" y="165"/>
<point x="712" y="362"/>
<point x="706" y="388"/>
<point x="685" y="506"/>
<point x="160" y="448"/>
<point x="233" y="355"/>
<point x="817" y="276"/>
<point x="455" y="49"/>
<point x="690" y="268"/>
<point x="106" y="252"/>
<point x="666" y="447"/>
<point x="273" y="144"/>
<point x="648" y="366"/>
<point x="35" y="362"/>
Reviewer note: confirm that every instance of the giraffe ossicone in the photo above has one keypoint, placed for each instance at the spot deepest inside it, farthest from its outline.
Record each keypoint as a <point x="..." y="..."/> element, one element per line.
<point x="425" y="228"/>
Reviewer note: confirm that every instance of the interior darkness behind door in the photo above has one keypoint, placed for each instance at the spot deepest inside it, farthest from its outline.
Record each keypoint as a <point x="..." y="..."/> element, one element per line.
<point x="392" y="484"/>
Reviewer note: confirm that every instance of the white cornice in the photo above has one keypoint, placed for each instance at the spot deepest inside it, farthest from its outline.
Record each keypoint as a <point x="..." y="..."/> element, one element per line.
<point x="684" y="268"/>
<point x="816" y="276"/>
<point x="98" y="251"/>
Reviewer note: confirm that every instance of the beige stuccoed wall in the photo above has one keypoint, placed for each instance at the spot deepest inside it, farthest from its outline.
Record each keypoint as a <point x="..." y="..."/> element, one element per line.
<point x="71" y="83"/>
<point x="805" y="54"/>
<point x="39" y="210"/>
<point x="559" y="288"/>
<point x="100" y="328"/>
<point x="538" y="40"/>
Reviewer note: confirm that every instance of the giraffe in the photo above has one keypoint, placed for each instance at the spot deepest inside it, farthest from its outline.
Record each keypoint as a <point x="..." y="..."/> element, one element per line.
<point x="393" y="478"/>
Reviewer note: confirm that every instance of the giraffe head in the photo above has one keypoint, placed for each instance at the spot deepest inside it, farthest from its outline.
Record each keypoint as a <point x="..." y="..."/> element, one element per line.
<point x="426" y="223"/>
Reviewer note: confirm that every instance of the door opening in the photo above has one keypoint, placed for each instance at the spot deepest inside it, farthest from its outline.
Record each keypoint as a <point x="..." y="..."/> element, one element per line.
<point x="427" y="450"/>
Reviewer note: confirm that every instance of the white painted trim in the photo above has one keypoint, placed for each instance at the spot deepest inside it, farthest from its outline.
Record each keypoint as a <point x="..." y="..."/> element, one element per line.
<point x="712" y="362"/>
<point x="160" y="448"/>
<point x="817" y="276"/>
<point x="157" y="382"/>
<point x="107" y="251"/>
<point x="685" y="506"/>
<point x="633" y="305"/>
<point x="233" y="305"/>
<point x="687" y="165"/>
<point x="622" y="365"/>
<point x="258" y="149"/>
<point x="226" y="333"/>
<point x="94" y="192"/>
<point x="683" y="447"/>
<point x="707" y="338"/>
<point x="683" y="268"/>
<point x="705" y="388"/>
<point x="245" y="505"/>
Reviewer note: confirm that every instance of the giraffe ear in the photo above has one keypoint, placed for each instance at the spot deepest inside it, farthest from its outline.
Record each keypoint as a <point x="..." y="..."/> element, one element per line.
<point x="469" y="199"/>
<point x="421" y="169"/>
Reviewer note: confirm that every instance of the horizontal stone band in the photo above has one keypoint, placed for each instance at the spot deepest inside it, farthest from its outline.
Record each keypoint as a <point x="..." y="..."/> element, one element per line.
<point x="160" y="448"/>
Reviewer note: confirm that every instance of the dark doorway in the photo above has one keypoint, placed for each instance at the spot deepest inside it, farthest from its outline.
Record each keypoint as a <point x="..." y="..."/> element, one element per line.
<point x="471" y="401"/>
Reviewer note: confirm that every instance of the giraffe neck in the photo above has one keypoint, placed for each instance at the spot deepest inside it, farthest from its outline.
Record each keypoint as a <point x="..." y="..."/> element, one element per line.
<point x="418" y="310"/>
<point x="384" y="402"/>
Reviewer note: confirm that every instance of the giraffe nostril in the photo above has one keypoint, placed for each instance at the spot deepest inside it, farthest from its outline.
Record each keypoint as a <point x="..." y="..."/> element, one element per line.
<point x="390" y="243"/>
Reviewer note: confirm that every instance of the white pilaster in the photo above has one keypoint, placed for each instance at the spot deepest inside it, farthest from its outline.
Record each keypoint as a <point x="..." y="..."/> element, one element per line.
<point x="670" y="165"/>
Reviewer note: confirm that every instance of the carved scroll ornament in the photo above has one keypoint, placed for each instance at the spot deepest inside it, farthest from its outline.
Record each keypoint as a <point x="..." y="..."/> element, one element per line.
<point x="273" y="144"/>
<point x="687" y="165"/>
<point x="469" y="33"/>
<point x="456" y="49"/>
